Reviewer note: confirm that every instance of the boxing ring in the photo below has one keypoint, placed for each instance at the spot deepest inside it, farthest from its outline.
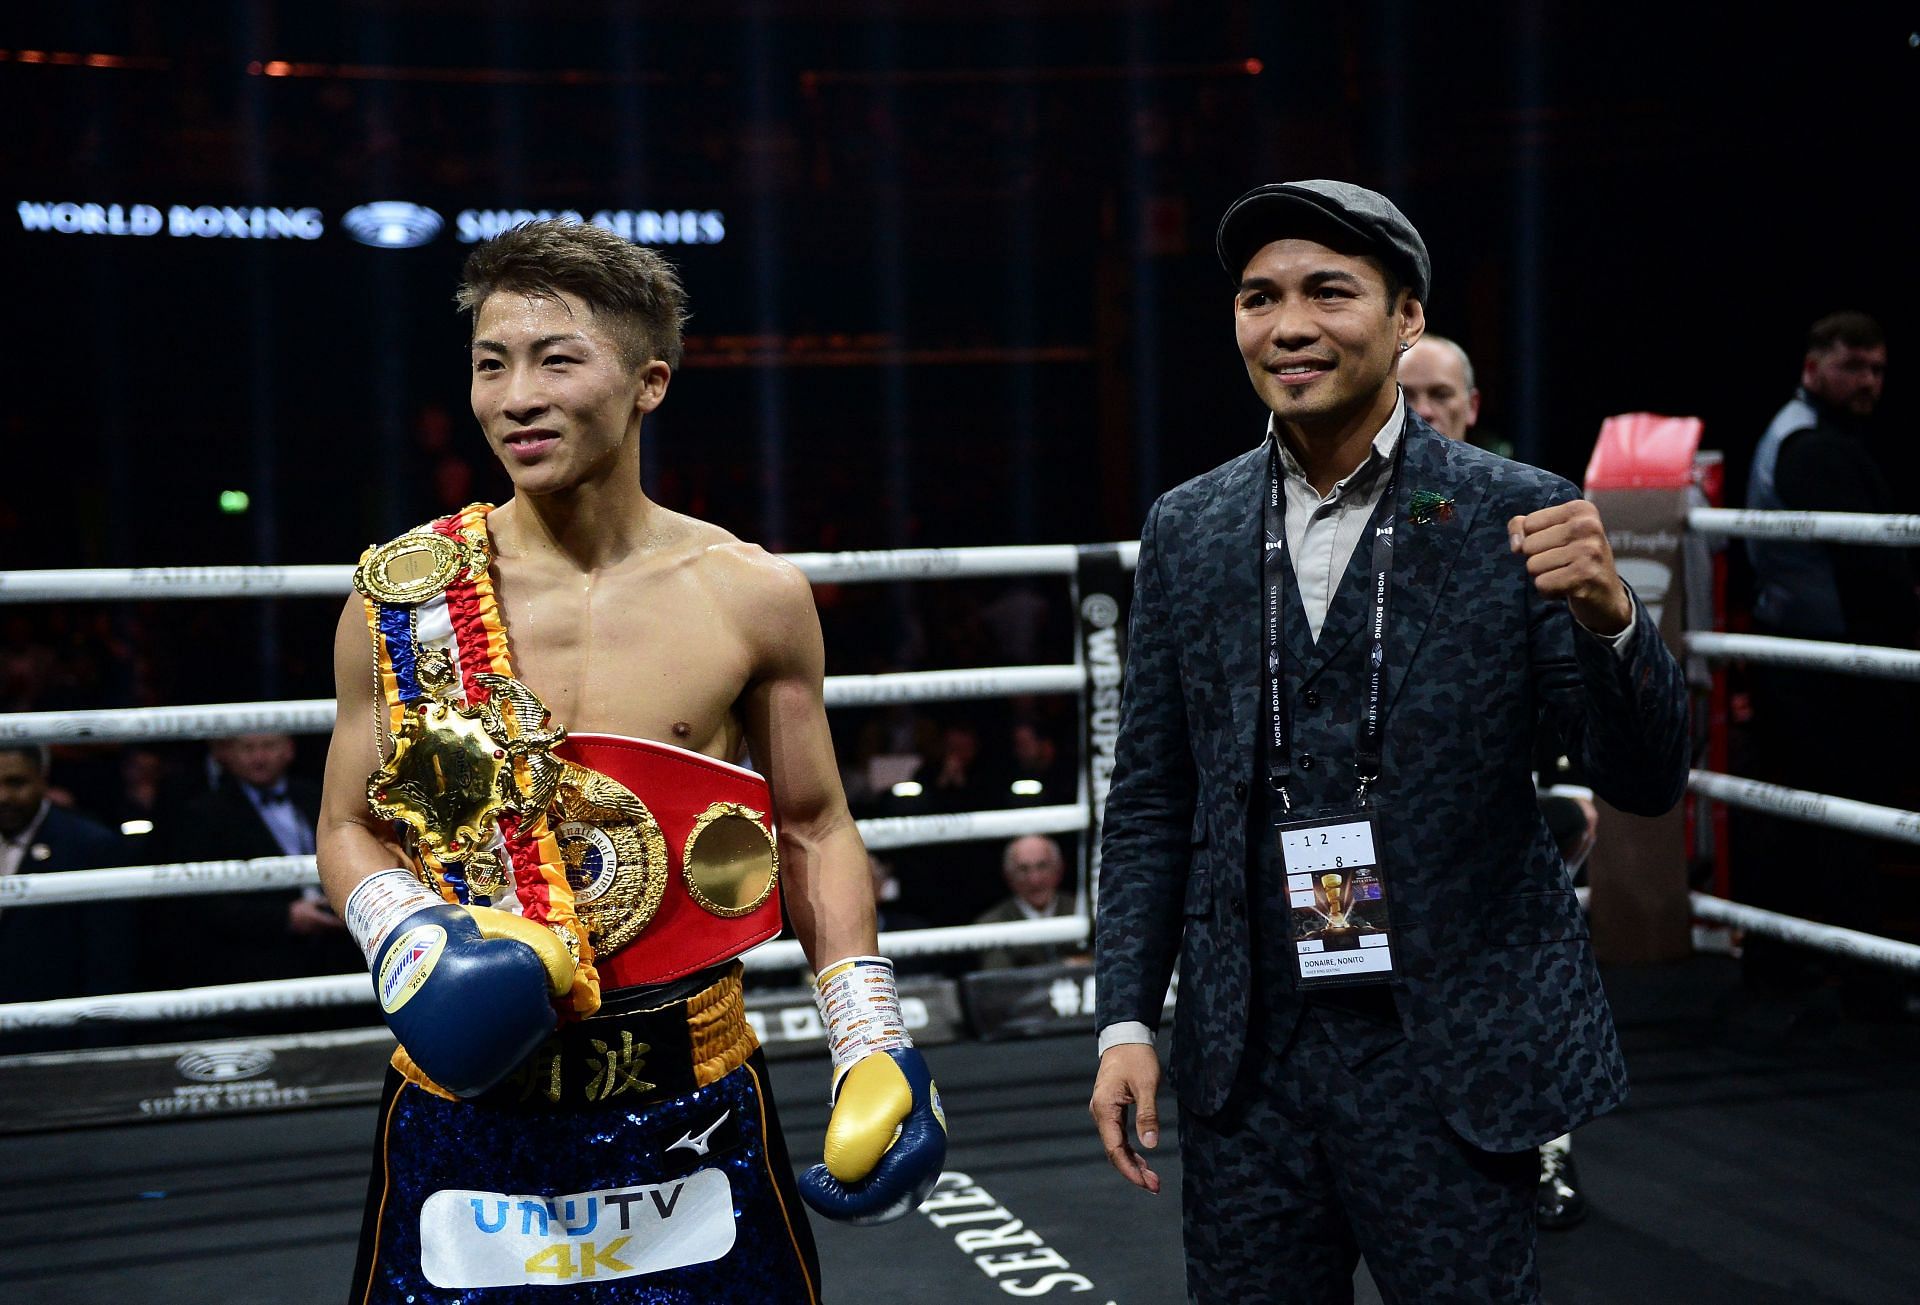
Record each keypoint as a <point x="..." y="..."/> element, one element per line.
<point x="1028" y="1204"/>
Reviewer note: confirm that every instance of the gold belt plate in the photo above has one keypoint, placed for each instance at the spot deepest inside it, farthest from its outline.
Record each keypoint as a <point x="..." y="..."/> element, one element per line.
<point x="414" y="568"/>
<point x="731" y="861"/>
<point x="452" y="773"/>
<point x="615" y="852"/>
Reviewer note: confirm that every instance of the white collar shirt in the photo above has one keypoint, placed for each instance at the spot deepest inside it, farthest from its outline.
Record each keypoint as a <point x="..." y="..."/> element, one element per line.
<point x="1322" y="530"/>
<point x="14" y="849"/>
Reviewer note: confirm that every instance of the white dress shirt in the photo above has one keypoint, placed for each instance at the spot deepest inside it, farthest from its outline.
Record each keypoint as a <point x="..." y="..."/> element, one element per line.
<point x="14" y="849"/>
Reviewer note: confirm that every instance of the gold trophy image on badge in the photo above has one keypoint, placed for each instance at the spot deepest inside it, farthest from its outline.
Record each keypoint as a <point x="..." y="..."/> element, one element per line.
<point x="1339" y="897"/>
<point x="452" y="774"/>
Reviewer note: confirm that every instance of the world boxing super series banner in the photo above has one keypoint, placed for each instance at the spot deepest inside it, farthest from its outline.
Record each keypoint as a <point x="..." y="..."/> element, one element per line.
<point x="1103" y="597"/>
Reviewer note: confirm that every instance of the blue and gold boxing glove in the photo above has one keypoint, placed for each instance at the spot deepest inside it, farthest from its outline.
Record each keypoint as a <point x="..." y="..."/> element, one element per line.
<point x="468" y="991"/>
<point x="887" y="1137"/>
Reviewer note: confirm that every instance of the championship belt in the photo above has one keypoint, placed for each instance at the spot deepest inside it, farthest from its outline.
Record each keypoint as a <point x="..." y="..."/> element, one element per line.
<point x="651" y="861"/>
<point x="671" y="856"/>
<point x="472" y="772"/>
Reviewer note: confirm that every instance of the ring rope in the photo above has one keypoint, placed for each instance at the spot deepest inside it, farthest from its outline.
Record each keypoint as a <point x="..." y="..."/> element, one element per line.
<point x="1825" y="937"/>
<point x="1800" y="804"/>
<point x="316" y="715"/>
<point x="175" y="879"/>
<point x="99" y="584"/>
<point x="200" y="878"/>
<point x="1891" y="529"/>
<point x="357" y="989"/>
<point x="1812" y="654"/>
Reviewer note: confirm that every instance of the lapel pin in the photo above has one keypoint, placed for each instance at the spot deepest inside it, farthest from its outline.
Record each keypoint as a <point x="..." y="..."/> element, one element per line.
<point x="1424" y="507"/>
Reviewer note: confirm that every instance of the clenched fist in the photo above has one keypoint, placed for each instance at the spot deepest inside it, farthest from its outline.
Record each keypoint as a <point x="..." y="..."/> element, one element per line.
<point x="1568" y="557"/>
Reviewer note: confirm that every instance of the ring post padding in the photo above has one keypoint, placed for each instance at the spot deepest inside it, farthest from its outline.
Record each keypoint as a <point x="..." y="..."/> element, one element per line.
<point x="1102" y="603"/>
<point x="1641" y="477"/>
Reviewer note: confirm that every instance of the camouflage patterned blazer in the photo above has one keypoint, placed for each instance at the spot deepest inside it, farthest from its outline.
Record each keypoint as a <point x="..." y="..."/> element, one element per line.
<point x="1497" y="989"/>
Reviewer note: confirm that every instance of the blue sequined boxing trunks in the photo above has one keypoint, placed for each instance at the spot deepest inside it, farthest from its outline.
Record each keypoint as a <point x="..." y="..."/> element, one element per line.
<point x="634" y="1159"/>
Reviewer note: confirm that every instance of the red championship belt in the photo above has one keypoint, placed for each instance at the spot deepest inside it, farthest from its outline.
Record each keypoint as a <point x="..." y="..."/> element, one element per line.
<point x="671" y="854"/>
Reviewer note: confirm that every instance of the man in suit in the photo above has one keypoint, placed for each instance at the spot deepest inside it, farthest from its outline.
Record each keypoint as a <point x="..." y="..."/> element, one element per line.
<point x="256" y="808"/>
<point x="72" y="950"/>
<point x="1379" y="666"/>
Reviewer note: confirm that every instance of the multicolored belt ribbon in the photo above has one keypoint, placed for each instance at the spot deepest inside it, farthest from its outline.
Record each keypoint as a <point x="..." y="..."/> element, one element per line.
<point x="472" y="770"/>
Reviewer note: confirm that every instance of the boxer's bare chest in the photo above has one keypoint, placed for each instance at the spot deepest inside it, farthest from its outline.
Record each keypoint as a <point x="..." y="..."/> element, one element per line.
<point x="644" y="649"/>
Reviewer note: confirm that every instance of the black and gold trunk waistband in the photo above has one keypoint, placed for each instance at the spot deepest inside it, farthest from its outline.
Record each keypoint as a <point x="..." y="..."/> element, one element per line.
<point x="627" y="1057"/>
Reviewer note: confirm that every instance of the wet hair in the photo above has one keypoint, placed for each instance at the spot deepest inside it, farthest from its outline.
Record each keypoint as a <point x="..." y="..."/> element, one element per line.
<point x="1854" y="329"/>
<point x="632" y="290"/>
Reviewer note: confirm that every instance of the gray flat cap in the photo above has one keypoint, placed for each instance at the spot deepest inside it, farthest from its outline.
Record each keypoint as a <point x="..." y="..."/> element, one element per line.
<point x="1338" y="214"/>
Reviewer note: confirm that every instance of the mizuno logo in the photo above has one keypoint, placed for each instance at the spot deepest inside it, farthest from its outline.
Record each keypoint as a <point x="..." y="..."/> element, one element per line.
<point x="700" y="1145"/>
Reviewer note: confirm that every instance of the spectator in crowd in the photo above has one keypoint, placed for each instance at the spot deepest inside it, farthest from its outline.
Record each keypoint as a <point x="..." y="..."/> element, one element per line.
<point x="1825" y="732"/>
<point x="1437" y="377"/>
<point x="1041" y="776"/>
<point x="1033" y="868"/>
<point x="142" y="802"/>
<point x="70" y="950"/>
<point x="255" y="809"/>
<point x="954" y="781"/>
<point x="1018" y="619"/>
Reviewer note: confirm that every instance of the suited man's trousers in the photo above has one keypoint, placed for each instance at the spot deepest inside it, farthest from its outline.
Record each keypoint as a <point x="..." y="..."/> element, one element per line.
<point x="1329" y="1149"/>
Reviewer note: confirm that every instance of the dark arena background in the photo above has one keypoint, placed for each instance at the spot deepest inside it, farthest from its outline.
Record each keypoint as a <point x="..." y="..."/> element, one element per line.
<point x="952" y="284"/>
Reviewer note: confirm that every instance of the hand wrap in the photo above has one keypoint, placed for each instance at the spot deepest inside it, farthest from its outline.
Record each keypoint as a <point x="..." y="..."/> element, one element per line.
<point x="887" y="1137"/>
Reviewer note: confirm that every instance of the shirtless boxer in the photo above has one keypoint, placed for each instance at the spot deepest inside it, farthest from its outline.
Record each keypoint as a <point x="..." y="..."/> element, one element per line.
<point x="578" y="1109"/>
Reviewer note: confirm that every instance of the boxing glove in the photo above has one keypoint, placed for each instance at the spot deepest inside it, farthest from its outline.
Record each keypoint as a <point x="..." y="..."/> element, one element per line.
<point x="468" y="991"/>
<point x="887" y="1136"/>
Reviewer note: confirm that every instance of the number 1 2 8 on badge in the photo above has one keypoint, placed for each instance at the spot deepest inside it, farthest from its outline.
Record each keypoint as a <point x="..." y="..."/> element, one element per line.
<point x="1337" y="846"/>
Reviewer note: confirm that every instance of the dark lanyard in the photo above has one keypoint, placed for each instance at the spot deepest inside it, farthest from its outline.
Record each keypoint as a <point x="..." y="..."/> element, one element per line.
<point x="1274" y="570"/>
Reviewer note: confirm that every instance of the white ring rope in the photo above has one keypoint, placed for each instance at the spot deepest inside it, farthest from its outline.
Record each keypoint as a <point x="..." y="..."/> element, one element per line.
<point x="145" y="583"/>
<point x="880" y="833"/>
<point x="175" y="879"/>
<point x="953" y="686"/>
<point x="1810" y="654"/>
<point x="1827" y="527"/>
<point x="786" y="954"/>
<point x="153" y="582"/>
<point x="1825" y="937"/>
<point x="188" y="1003"/>
<point x="198" y="878"/>
<point x="212" y="720"/>
<point x="1814" y="808"/>
<point x="357" y="989"/>
<point x="316" y="715"/>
